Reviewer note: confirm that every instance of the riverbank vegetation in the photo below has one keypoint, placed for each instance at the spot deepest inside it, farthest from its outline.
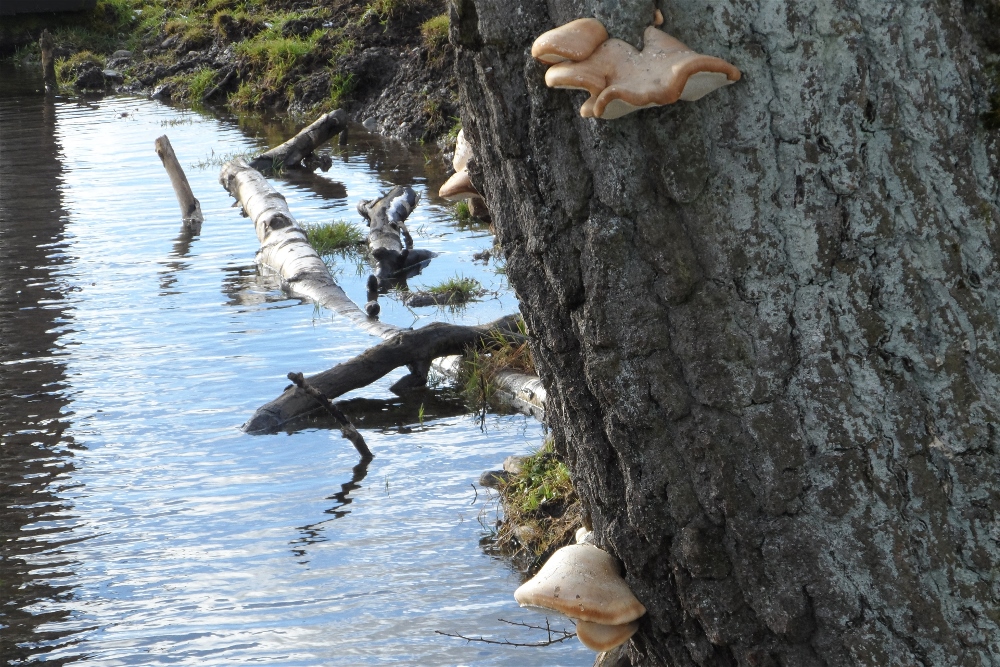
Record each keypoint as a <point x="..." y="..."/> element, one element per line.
<point x="541" y="510"/>
<point x="477" y="377"/>
<point x="250" y="55"/>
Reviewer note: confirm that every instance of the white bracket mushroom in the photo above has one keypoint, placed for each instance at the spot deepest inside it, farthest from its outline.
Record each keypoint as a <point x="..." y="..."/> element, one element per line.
<point x="582" y="582"/>
<point x="619" y="77"/>
<point x="459" y="186"/>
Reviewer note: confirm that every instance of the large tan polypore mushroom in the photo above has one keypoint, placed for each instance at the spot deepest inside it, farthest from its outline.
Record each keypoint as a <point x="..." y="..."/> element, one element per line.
<point x="622" y="79"/>
<point x="599" y="637"/>
<point x="574" y="41"/>
<point x="582" y="582"/>
<point x="458" y="187"/>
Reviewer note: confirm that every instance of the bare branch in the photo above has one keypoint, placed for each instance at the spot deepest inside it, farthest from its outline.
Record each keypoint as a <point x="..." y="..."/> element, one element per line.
<point x="554" y="636"/>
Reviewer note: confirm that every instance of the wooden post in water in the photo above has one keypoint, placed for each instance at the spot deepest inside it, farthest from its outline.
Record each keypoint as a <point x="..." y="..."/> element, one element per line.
<point x="48" y="62"/>
<point x="190" y="207"/>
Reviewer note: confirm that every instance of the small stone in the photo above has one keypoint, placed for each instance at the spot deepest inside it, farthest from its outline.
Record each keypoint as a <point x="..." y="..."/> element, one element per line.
<point x="163" y="92"/>
<point x="492" y="479"/>
<point x="526" y="534"/>
<point x="90" y="79"/>
<point x="370" y="124"/>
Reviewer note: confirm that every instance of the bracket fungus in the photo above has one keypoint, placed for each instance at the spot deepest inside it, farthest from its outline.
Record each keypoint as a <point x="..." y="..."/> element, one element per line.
<point x="582" y="582"/>
<point x="622" y="79"/>
<point x="459" y="186"/>
<point x="574" y="41"/>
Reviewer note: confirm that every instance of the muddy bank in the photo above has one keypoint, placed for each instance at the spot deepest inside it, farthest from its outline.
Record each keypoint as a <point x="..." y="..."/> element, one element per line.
<point x="386" y="62"/>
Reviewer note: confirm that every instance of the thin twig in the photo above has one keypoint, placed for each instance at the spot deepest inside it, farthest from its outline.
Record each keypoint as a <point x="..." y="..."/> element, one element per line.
<point x="346" y="427"/>
<point x="554" y="636"/>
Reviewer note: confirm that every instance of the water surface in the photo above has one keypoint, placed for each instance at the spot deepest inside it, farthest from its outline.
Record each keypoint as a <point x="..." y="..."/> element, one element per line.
<point x="139" y="525"/>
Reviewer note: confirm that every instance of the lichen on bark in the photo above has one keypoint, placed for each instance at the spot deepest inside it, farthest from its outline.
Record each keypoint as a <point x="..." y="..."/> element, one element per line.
<point x="767" y="322"/>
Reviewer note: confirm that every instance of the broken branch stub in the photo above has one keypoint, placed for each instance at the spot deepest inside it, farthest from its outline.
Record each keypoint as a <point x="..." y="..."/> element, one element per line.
<point x="290" y="154"/>
<point x="48" y="62"/>
<point x="346" y="427"/>
<point x="386" y="218"/>
<point x="190" y="207"/>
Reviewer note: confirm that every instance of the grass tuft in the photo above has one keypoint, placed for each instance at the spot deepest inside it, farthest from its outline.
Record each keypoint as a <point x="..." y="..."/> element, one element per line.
<point x="334" y="237"/>
<point x="477" y="374"/>
<point x="66" y="68"/>
<point x="435" y="33"/>
<point x="541" y="509"/>
<point x="460" y="287"/>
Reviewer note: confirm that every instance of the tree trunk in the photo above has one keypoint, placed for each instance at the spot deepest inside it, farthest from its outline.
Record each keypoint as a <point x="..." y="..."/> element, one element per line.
<point x="767" y="321"/>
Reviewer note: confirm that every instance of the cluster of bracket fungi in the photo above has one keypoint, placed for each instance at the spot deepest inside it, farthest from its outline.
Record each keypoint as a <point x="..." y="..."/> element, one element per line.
<point x="582" y="581"/>
<point x="621" y="78"/>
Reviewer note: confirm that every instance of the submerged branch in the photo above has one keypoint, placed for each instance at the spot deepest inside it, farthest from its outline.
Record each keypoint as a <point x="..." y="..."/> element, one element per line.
<point x="290" y="154"/>
<point x="346" y="427"/>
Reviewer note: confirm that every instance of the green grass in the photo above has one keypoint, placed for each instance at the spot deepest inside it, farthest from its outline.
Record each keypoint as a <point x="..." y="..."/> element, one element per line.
<point x="66" y="67"/>
<point x="193" y="85"/>
<point x="465" y="288"/>
<point x="477" y="374"/>
<point x="434" y="32"/>
<point x="543" y="478"/>
<point x="452" y="136"/>
<point x="334" y="237"/>
<point x="341" y="86"/>
<point x="541" y="498"/>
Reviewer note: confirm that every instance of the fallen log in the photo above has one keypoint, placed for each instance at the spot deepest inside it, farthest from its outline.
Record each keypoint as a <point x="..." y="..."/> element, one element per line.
<point x="285" y="249"/>
<point x="290" y="155"/>
<point x="190" y="207"/>
<point x="413" y="348"/>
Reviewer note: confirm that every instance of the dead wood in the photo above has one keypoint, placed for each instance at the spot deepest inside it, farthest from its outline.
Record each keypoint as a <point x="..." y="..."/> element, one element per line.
<point x="190" y="207"/>
<point x="413" y="348"/>
<point x="285" y="250"/>
<point x="346" y="427"/>
<point x="388" y="238"/>
<point x="48" y="62"/>
<point x="290" y="155"/>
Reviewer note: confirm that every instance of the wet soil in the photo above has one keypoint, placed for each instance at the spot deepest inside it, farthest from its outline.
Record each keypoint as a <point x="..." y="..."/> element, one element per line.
<point x="374" y="59"/>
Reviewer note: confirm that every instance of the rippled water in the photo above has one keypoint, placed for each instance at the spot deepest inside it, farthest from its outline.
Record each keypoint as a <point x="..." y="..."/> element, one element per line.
<point x="139" y="525"/>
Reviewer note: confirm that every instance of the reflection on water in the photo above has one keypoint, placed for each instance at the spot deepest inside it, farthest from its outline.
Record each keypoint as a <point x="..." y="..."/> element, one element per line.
<point x="314" y="532"/>
<point x="139" y="525"/>
<point x="36" y="459"/>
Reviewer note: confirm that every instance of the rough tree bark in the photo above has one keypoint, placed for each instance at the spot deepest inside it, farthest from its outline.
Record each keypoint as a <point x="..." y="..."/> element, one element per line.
<point x="767" y="321"/>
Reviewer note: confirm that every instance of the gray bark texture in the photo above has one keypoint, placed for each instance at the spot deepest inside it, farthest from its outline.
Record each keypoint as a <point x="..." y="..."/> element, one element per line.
<point x="767" y="321"/>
